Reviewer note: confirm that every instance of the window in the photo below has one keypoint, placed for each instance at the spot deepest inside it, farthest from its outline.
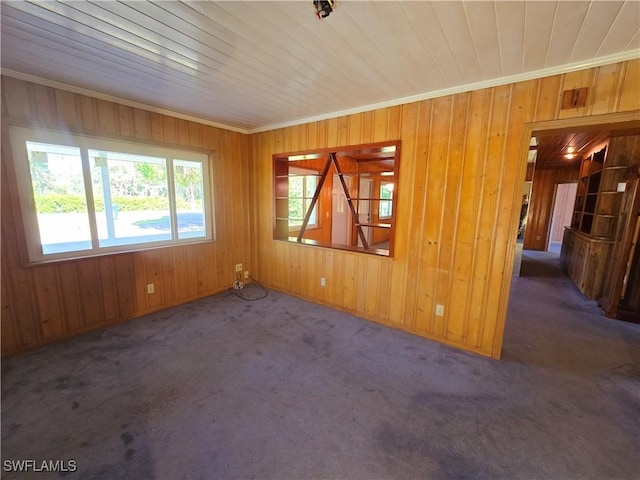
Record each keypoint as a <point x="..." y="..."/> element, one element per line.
<point x="338" y="198"/>
<point x="386" y="200"/>
<point x="302" y="186"/>
<point x="85" y="196"/>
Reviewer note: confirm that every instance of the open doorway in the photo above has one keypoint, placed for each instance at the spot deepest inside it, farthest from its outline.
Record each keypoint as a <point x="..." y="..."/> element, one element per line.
<point x="576" y="215"/>
<point x="563" y="207"/>
<point x="522" y="226"/>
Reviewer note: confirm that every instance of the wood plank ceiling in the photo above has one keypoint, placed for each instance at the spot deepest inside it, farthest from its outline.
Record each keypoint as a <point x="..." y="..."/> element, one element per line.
<point x="255" y="65"/>
<point x="562" y="149"/>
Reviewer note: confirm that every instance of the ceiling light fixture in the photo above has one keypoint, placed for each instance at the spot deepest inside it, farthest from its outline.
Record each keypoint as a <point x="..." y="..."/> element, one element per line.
<point x="570" y="149"/>
<point x="323" y="8"/>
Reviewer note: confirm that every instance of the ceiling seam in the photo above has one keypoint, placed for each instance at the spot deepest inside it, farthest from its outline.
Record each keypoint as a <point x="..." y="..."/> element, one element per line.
<point x="609" y="30"/>
<point x="584" y="21"/>
<point x="553" y="28"/>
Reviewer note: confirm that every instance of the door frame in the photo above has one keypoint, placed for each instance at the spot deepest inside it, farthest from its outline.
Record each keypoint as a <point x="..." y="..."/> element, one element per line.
<point x="617" y="121"/>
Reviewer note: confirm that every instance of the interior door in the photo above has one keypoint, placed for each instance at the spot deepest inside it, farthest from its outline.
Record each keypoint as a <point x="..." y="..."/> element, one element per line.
<point x="562" y="211"/>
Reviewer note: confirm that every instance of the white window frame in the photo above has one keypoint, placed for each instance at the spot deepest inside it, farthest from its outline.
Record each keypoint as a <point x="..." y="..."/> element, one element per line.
<point x="304" y="173"/>
<point x="387" y="201"/>
<point x="21" y="135"/>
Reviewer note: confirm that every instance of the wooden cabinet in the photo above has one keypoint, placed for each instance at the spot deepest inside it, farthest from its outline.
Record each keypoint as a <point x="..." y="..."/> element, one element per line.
<point x="588" y="246"/>
<point x="586" y="260"/>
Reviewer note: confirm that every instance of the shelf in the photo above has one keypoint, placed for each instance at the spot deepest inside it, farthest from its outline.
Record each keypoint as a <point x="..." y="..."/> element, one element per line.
<point x="376" y="225"/>
<point x="292" y="175"/>
<point x="609" y="203"/>
<point x="597" y="200"/>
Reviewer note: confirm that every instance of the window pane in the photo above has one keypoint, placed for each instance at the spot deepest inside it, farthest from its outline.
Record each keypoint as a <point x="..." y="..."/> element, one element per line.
<point x="301" y="191"/>
<point x="296" y="203"/>
<point x="58" y="189"/>
<point x="311" y="183"/>
<point x="131" y="198"/>
<point x="313" y="217"/>
<point x="189" y="190"/>
<point x="386" y="195"/>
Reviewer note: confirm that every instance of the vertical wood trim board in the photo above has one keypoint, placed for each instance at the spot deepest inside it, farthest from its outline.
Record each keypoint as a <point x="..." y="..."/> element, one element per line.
<point x="461" y="170"/>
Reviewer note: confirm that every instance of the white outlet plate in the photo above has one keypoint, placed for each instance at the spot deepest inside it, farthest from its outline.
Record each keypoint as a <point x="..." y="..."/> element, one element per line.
<point x="439" y="310"/>
<point x="151" y="288"/>
<point x="323" y="282"/>
<point x="246" y="274"/>
<point x="238" y="267"/>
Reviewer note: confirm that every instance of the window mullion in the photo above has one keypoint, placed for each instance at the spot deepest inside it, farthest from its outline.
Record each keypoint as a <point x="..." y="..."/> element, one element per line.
<point x="173" y="208"/>
<point x="108" y="202"/>
<point x="88" y="188"/>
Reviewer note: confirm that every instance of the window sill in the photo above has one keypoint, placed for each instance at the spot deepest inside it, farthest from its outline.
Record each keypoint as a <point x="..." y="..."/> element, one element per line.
<point x="337" y="246"/>
<point x="109" y="253"/>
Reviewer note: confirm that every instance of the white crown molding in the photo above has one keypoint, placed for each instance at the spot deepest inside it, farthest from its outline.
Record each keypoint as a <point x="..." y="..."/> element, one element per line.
<point x="112" y="98"/>
<point x="545" y="72"/>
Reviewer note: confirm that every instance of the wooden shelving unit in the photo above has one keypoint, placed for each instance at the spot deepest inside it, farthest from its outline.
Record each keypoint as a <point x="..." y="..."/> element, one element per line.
<point x="609" y="199"/>
<point x="587" y="194"/>
<point x="587" y="244"/>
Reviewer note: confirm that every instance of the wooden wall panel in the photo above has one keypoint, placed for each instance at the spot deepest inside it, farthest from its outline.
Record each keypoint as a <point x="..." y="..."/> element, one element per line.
<point x="458" y="211"/>
<point x="628" y="97"/>
<point x="43" y="303"/>
<point x="541" y="204"/>
<point x="461" y="171"/>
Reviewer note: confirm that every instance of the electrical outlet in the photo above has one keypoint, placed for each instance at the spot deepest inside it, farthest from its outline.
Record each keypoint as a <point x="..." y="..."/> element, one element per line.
<point x="246" y="274"/>
<point x="439" y="310"/>
<point x="238" y="267"/>
<point x="151" y="288"/>
<point x="323" y="282"/>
